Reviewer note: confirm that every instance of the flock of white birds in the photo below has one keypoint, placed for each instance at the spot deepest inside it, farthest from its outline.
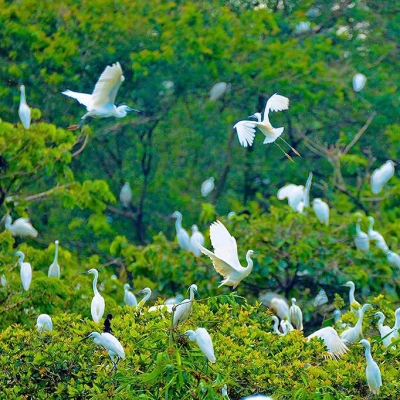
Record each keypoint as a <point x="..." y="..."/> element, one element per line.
<point x="225" y="256"/>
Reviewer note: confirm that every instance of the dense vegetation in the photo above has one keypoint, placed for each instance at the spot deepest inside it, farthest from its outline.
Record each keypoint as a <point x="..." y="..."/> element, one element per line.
<point x="68" y="183"/>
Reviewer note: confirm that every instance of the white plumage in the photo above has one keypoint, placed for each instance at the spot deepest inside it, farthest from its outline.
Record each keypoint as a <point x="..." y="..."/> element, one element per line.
<point x="203" y="339"/>
<point x="24" y="111"/>
<point x="184" y="308"/>
<point x="181" y="233"/>
<point x="110" y="343"/>
<point x="376" y="237"/>
<point x="21" y="227"/>
<point x="381" y="176"/>
<point x="354" y="304"/>
<point x="225" y="257"/>
<point x="321" y="298"/>
<point x="44" y="323"/>
<point x="125" y="196"/>
<point x="396" y="326"/>
<point x="294" y="194"/>
<point x="393" y="259"/>
<point x="196" y="239"/>
<point x="25" y="270"/>
<point x="334" y="344"/>
<point x="352" y="335"/>
<point x="359" y="81"/>
<point x="275" y="327"/>
<point x="98" y="304"/>
<point x="321" y="210"/>
<point x="207" y="187"/>
<point x="385" y="331"/>
<point x="54" y="269"/>
<point x="129" y="297"/>
<point x="372" y="371"/>
<point x="218" y="90"/>
<point x="361" y="239"/>
<point x="295" y="315"/>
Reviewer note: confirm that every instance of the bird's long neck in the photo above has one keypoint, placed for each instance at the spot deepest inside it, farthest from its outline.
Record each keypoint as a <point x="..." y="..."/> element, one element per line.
<point x="371" y="225"/>
<point x="368" y="355"/>
<point x="351" y="295"/>
<point x="249" y="262"/>
<point x="96" y="276"/>
<point x="307" y="191"/>
<point x="358" y="229"/>
<point x="178" y="222"/>
<point x="146" y="297"/>
<point x="21" y="258"/>
<point x="276" y="325"/>
<point x="23" y="97"/>
<point x="360" y="318"/>
<point x="397" y="322"/>
<point x="8" y="222"/>
<point x="191" y="297"/>
<point x="56" y="253"/>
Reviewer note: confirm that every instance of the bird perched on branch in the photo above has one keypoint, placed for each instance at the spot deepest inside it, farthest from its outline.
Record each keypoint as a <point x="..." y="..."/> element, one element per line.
<point x="21" y="227"/>
<point x="203" y="339"/>
<point x="184" y="308"/>
<point x="25" y="270"/>
<point x="372" y="371"/>
<point x="44" y="323"/>
<point x="24" y="110"/>
<point x="98" y="304"/>
<point x="54" y="269"/>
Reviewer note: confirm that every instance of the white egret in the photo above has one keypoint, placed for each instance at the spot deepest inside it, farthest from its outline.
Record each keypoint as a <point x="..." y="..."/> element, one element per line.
<point x="207" y="186"/>
<point x="21" y="227"/>
<point x="381" y="176"/>
<point x="218" y="90"/>
<point x="294" y="194"/>
<point x="110" y="343"/>
<point x="3" y="280"/>
<point x="24" y="111"/>
<point x="295" y="315"/>
<point x="98" y="304"/>
<point x="44" y="323"/>
<point x="275" y="327"/>
<point x="100" y="103"/>
<point x="385" y="331"/>
<point x="184" y="309"/>
<point x="275" y="302"/>
<point x="246" y="129"/>
<point x="203" y="339"/>
<point x="54" y="269"/>
<point x="302" y="27"/>
<point x="181" y="233"/>
<point x="352" y="335"/>
<point x="372" y="371"/>
<point x="321" y="210"/>
<point x="25" y="270"/>
<point x="393" y="259"/>
<point x="174" y="300"/>
<point x="376" y="237"/>
<point x="224" y="392"/>
<point x="321" y="298"/>
<point x="396" y="327"/>
<point x="359" y="82"/>
<point x="354" y="304"/>
<point x="147" y="294"/>
<point x="129" y="297"/>
<point x="361" y="239"/>
<point x="225" y="259"/>
<point x="286" y="326"/>
<point x="196" y="239"/>
<point x="334" y="344"/>
<point x="125" y="196"/>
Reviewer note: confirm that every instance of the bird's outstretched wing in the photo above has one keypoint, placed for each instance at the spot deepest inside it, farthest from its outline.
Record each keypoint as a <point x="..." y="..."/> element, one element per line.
<point x="82" y="98"/>
<point x="275" y="103"/>
<point x="246" y="131"/>
<point x="107" y="86"/>
<point x="224" y="244"/>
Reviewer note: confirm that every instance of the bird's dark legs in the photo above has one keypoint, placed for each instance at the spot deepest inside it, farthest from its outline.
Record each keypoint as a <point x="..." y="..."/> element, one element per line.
<point x="284" y="152"/>
<point x="292" y="148"/>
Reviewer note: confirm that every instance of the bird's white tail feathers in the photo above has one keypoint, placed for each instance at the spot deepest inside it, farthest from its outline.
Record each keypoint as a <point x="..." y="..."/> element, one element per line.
<point x="271" y="138"/>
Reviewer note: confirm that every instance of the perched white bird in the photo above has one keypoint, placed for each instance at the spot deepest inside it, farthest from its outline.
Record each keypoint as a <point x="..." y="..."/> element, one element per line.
<point x="381" y="176"/>
<point x="321" y="298"/>
<point x="385" y="331"/>
<point x="298" y="196"/>
<point x="147" y="294"/>
<point x="196" y="239"/>
<point x="286" y="326"/>
<point x="396" y="327"/>
<point x="21" y="227"/>
<point x="129" y="297"/>
<point x="54" y="269"/>
<point x="225" y="257"/>
<point x="353" y="335"/>
<point x="44" y="323"/>
<point x="359" y="82"/>
<point x="372" y="371"/>
<point x="334" y="344"/>
<point x="207" y="186"/>
<point x="302" y="27"/>
<point x="203" y="339"/>
<point x="218" y="90"/>
<point x="354" y="304"/>
<point x="100" y="103"/>
<point x="184" y="309"/>
<point x="98" y="304"/>
<point x="25" y="270"/>
<point x="361" y="239"/>
<point x="321" y="210"/>
<point x="275" y="327"/>
<point x="181" y="233"/>
<point x="125" y="196"/>
<point x="275" y="302"/>
<point x="110" y="343"/>
<point x="24" y="111"/>
<point x="393" y="259"/>
<point x="295" y="315"/>
<point x="376" y="237"/>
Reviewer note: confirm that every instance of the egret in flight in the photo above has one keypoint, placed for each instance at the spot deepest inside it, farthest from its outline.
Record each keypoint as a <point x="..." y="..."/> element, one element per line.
<point x="334" y="344"/>
<point x="24" y="111"/>
<point x="54" y="269"/>
<point x="21" y="227"/>
<point x="373" y="374"/>
<point x="25" y="270"/>
<point x="225" y="257"/>
<point x="44" y="323"/>
<point x="98" y="304"/>
<point x="380" y="176"/>
<point x="203" y="339"/>
<point x="246" y="130"/>
<point x="184" y="309"/>
<point x="181" y="233"/>
<point x="100" y="103"/>
<point x="196" y="239"/>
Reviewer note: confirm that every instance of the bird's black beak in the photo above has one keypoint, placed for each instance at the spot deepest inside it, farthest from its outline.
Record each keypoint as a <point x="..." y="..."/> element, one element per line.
<point x="84" y="273"/>
<point x="134" y="109"/>
<point x="85" y="338"/>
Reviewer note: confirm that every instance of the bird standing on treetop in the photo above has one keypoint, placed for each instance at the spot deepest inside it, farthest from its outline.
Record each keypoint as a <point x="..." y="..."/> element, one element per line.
<point x="321" y="210"/>
<point x="184" y="308"/>
<point x="98" y="304"/>
<point x="181" y="234"/>
<point x="54" y="269"/>
<point x="353" y="335"/>
<point x="129" y="297"/>
<point x="372" y="371"/>
<point x="354" y="304"/>
<point x="125" y="196"/>
<point x="24" y="111"/>
<point x="196" y="239"/>
<point x="21" y="227"/>
<point x="203" y="339"/>
<point x="25" y="270"/>
<point x="385" y="331"/>
<point x="376" y="237"/>
<point x="296" y="316"/>
<point x="44" y="323"/>
<point x="225" y="257"/>
<point x="361" y="239"/>
<point x="100" y="103"/>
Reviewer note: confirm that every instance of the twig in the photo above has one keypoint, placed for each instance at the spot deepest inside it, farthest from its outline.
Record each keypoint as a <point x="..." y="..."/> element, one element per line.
<point x="359" y="134"/>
